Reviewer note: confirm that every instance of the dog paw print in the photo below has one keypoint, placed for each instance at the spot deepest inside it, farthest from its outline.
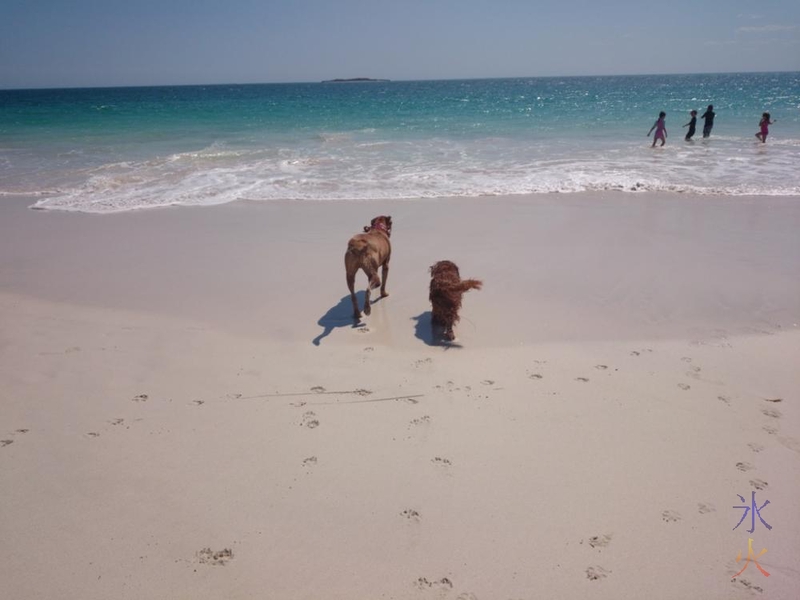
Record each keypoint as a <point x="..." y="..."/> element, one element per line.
<point x="600" y="541"/>
<point x="4" y="443"/>
<point x="684" y="386"/>
<point x="140" y="398"/>
<point x="670" y="516"/>
<point x="704" y="508"/>
<point x="771" y="412"/>
<point x="535" y="376"/>
<point x="441" y="462"/>
<point x="309" y="420"/>
<point x="420" y="421"/>
<point x="206" y="556"/>
<point x="744" y="466"/>
<point x="411" y="514"/>
<point x="596" y="572"/>
<point x="582" y="379"/>
<point x="724" y="399"/>
<point x="443" y="583"/>
<point x="773" y="399"/>
<point x="755" y="447"/>
<point x="601" y="367"/>
<point x="310" y="461"/>
<point x="318" y="389"/>
<point x="759" y="484"/>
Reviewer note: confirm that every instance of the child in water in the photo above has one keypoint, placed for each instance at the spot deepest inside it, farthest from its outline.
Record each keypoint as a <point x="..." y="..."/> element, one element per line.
<point x="691" y="125"/>
<point x="708" y="118"/>
<point x="661" y="130"/>
<point x="764" y="126"/>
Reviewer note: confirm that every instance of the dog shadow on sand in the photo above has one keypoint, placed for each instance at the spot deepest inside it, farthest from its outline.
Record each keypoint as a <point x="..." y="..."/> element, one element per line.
<point x="432" y="335"/>
<point x="340" y="315"/>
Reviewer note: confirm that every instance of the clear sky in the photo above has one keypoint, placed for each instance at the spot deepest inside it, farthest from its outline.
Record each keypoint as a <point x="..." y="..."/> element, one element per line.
<point x="69" y="43"/>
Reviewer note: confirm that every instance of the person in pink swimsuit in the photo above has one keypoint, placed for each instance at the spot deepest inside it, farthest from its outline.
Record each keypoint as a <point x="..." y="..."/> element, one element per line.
<point x="764" y="126"/>
<point x="661" y="130"/>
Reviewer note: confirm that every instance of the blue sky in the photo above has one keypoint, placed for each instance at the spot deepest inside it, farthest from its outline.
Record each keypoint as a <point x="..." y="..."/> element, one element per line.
<point x="70" y="43"/>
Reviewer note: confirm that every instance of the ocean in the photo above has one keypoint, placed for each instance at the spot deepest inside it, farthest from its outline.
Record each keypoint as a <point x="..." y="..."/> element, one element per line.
<point x="109" y="150"/>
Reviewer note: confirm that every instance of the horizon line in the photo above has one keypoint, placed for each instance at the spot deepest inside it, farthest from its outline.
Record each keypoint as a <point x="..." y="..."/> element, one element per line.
<point x="382" y="80"/>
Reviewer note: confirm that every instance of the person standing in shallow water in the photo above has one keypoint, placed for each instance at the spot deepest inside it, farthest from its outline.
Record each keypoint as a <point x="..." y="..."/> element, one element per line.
<point x="764" y="127"/>
<point x="708" y="118"/>
<point x="661" y="130"/>
<point x="691" y="125"/>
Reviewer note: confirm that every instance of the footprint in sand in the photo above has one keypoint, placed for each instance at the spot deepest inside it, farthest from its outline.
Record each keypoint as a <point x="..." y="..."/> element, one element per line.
<point x="744" y="466"/>
<point x="206" y="556"/>
<point x="4" y="443"/>
<point x="583" y="379"/>
<point x="140" y="398"/>
<point x="441" y="462"/>
<point x="771" y="412"/>
<point x="724" y="399"/>
<point x="596" y="572"/>
<point x="198" y="402"/>
<point x="704" y="508"/>
<point x="684" y="386"/>
<point x="423" y="420"/>
<point x="601" y="367"/>
<point x="770" y="429"/>
<point x="773" y="399"/>
<point x="318" y="389"/>
<point x="411" y="515"/>
<point x="488" y="382"/>
<point x="93" y="434"/>
<point x="309" y="420"/>
<point x="422" y="362"/>
<point x="310" y="461"/>
<point x="670" y="516"/>
<point x="686" y="359"/>
<point x="600" y="541"/>
<point x="759" y="484"/>
<point x="755" y="447"/>
<point x="535" y="376"/>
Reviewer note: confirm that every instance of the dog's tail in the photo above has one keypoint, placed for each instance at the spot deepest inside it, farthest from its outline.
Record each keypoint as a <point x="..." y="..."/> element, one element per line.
<point x="469" y="284"/>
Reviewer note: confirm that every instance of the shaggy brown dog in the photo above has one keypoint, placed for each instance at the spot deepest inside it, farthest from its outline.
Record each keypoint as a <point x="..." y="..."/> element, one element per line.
<point x="368" y="251"/>
<point x="447" y="288"/>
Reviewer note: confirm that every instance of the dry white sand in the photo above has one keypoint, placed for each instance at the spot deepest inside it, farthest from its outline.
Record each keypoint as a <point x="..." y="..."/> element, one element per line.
<point x="187" y="410"/>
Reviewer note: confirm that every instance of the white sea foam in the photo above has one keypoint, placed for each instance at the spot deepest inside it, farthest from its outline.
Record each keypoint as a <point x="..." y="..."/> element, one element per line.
<point x="345" y="166"/>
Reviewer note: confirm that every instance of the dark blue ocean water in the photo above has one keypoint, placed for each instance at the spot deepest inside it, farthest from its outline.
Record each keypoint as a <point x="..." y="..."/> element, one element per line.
<point x="105" y="150"/>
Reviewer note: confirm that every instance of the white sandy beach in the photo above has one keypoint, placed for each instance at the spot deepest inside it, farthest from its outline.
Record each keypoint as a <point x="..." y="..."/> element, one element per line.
<point x="190" y="378"/>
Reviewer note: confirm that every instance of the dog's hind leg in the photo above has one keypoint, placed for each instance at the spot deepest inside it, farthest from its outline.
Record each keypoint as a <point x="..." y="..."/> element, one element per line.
<point x="351" y="283"/>
<point x="372" y="275"/>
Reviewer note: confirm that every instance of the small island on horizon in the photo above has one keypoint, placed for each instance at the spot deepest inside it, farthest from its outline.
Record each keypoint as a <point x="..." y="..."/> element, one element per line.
<point x="352" y="80"/>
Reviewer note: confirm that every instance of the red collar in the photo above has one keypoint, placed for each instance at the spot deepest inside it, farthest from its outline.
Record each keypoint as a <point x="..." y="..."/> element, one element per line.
<point x="379" y="225"/>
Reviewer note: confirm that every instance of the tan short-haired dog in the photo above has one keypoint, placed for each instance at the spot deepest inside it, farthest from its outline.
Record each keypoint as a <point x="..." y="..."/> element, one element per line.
<point x="368" y="251"/>
<point x="446" y="291"/>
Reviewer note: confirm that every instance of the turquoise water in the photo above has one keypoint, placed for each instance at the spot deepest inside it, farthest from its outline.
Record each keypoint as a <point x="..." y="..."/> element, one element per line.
<point x="107" y="150"/>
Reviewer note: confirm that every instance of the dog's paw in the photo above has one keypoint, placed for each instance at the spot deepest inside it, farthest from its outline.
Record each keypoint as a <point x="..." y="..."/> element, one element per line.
<point x="368" y="310"/>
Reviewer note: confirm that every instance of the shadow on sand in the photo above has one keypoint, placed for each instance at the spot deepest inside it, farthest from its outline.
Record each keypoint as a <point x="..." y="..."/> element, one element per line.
<point x="432" y="335"/>
<point x="340" y="315"/>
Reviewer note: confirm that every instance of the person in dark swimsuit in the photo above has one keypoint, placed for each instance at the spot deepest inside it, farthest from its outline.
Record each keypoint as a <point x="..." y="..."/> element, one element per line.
<point x="691" y="125"/>
<point x="708" y="116"/>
